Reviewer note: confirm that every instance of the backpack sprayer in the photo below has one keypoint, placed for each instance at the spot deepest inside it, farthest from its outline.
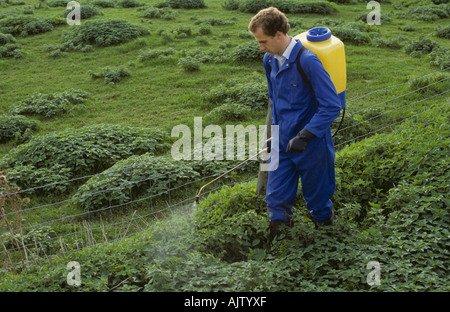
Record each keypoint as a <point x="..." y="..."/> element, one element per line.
<point x="331" y="52"/>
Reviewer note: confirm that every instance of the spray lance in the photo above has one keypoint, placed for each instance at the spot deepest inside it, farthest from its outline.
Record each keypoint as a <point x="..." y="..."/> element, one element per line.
<point x="197" y="197"/>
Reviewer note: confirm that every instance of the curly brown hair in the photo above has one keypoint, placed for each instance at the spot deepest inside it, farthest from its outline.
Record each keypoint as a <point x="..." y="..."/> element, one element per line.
<point x="271" y="20"/>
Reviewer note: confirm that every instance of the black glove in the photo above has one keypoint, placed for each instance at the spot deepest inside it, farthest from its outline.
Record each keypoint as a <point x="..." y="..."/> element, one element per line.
<point x="268" y="144"/>
<point x="298" y="144"/>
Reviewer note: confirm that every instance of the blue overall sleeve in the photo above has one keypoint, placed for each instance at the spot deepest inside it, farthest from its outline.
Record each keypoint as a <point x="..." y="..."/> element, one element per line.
<point x="267" y="69"/>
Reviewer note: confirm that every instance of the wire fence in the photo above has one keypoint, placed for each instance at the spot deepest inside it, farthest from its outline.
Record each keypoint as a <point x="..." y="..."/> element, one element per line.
<point x="33" y="233"/>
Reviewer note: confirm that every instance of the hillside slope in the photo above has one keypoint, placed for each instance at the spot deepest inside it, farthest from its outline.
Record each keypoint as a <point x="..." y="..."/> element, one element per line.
<point x="391" y="208"/>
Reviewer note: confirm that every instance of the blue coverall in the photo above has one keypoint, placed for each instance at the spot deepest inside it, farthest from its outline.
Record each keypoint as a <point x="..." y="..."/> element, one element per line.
<point x="294" y="107"/>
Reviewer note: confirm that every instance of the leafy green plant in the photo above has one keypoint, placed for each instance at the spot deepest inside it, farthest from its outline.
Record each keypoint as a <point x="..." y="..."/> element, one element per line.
<point x="50" y="105"/>
<point x="85" y="12"/>
<point x="12" y="126"/>
<point x="407" y="28"/>
<point x="189" y="64"/>
<point x="6" y="38"/>
<point x="9" y="48"/>
<point x="56" y="52"/>
<point x="200" y="55"/>
<point x="252" y="94"/>
<point x="157" y="54"/>
<point x="430" y="12"/>
<point x="351" y="35"/>
<point x="98" y="274"/>
<point x="102" y="3"/>
<point x="163" y="13"/>
<point x="231" y="5"/>
<point x="53" y="179"/>
<point x="231" y="221"/>
<point x="228" y="112"/>
<point x="323" y="8"/>
<point x="166" y="36"/>
<point x="25" y="25"/>
<point x="391" y="43"/>
<point x="288" y="6"/>
<point x="205" y="30"/>
<point x="202" y="41"/>
<point x="421" y="46"/>
<point x="79" y="152"/>
<point x="132" y="178"/>
<point x="129" y="3"/>
<point x="431" y="85"/>
<point x="101" y="32"/>
<point x="183" y="4"/>
<point x="440" y="57"/>
<point x="57" y="3"/>
<point x="443" y="32"/>
<point x="344" y="1"/>
<point x="248" y="52"/>
<point x="37" y="240"/>
<point x="111" y="75"/>
<point x="368" y="170"/>
<point x="183" y="31"/>
<point x="213" y="21"/>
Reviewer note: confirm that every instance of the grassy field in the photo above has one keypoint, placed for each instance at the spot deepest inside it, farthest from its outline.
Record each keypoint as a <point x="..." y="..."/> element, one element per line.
<point x="160" y="93"/>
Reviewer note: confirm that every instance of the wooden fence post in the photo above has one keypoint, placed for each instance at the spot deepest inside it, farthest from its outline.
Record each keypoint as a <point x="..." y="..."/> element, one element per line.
<point x="261" y="186"/>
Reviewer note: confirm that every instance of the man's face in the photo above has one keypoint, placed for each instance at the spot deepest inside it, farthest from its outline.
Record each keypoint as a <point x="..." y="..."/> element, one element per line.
<point x="272" y="45"/>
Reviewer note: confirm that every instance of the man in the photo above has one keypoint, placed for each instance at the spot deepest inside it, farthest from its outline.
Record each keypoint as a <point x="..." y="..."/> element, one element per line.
<point x="304" y="117"/>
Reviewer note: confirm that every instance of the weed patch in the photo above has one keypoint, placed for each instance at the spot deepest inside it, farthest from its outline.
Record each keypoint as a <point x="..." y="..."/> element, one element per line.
<point x="110" y="75"/>
<point x="131" y="179"/>
<point x="72" y="153"/>
<point x="183" y="4"/>
<point x="51" y="105"/>
<point x="101" y="32"/>
<point x="85" y="12"/>
<point x="16" y="127"/>
<point x="286" y="6"/>
<point x="25" y="25"/>
<point x="9" y="47"/>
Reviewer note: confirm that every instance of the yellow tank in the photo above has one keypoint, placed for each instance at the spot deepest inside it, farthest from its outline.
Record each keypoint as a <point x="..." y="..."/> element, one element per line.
<point x="331" y="52"/>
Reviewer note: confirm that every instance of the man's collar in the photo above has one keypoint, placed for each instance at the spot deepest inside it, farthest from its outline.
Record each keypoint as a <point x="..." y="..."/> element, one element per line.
<point x="288" y="50"/>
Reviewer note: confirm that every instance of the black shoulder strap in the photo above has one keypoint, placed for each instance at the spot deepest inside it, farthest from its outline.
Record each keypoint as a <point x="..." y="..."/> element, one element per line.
<point x="300" y="69"/>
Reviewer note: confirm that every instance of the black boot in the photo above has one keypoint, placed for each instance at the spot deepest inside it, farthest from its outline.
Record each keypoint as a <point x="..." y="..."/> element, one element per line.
<point x="318" y="224"/>
<point x="275" y="228"/>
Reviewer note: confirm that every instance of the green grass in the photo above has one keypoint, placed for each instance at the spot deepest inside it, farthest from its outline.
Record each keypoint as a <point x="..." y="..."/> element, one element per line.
<point x="143" y="99"/>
